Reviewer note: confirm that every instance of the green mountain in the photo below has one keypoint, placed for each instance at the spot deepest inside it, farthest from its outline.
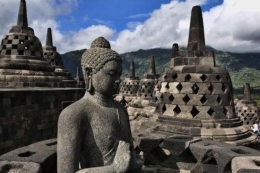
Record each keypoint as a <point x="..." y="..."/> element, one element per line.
<point x="243" y="67"/>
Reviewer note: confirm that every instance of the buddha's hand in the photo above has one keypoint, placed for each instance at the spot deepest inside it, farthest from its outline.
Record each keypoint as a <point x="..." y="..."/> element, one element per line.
<point x="137" y="162"/>
<point x="122" y="158"/>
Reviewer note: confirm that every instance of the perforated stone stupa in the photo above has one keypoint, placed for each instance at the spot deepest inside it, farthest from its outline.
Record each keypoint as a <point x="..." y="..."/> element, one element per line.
<point x="247" y="109"/>
<point x="195" y="97"/>
<point x="129" y="87"/>
<point x="143" y="104"/>
<point x="54" y="59"/>
<point x="21" y="57"/>
<point x="146" y="85"/>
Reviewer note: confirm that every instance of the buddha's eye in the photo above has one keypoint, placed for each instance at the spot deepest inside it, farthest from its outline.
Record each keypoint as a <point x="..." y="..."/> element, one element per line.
<point x="112" y="73"/>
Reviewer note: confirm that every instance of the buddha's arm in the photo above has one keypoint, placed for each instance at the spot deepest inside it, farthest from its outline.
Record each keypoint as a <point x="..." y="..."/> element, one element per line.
<point x="69" y="141"/>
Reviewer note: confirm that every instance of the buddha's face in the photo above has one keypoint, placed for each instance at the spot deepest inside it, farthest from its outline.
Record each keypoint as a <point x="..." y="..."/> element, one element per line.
<point x="106" y="80"/>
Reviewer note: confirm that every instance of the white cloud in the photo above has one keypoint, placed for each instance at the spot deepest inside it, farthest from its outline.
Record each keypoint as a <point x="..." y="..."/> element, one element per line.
<point x="40" y="19"/>
<point x="132" y="25"/>
<point x="103" y="22"/>
<point x="166" y="25"/>
<point x="232" y="26"/>
<point x="138" y="16"/>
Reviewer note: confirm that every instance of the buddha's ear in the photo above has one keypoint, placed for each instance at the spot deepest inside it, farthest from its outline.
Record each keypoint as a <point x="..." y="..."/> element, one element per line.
<point x="88" y="79"/>
<point x="88" y="71"/>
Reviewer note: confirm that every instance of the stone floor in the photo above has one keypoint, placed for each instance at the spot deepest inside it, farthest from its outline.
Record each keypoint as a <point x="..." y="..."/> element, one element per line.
<point x="257" y="144"/>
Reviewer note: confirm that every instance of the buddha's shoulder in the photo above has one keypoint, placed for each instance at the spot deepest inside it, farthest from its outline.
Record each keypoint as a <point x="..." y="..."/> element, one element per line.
<point x="78" y="108"/>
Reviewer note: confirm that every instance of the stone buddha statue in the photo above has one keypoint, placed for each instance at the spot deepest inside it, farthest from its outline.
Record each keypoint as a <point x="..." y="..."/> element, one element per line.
<point x="94" y="133"/>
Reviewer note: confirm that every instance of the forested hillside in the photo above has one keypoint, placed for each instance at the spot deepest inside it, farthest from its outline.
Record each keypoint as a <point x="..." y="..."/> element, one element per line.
<point x="243" y="67"/>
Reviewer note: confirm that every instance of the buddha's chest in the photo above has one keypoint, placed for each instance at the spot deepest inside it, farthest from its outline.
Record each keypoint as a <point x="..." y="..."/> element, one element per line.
<point x="106" y="124"/>
<point x="105" y="128"/>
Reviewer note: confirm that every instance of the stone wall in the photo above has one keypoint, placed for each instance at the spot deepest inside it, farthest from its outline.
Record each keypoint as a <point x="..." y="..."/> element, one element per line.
<point x="30" y="115"/>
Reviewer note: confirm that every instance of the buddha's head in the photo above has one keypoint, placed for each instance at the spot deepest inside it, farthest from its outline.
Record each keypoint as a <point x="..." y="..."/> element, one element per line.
<point x="102" y="68"/>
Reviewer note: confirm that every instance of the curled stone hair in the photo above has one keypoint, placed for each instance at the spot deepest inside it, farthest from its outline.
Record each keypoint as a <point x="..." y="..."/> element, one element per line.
<point x="98" y="55"/>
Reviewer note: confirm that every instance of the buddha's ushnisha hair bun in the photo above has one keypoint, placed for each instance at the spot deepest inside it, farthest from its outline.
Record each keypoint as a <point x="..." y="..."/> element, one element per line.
<point x="98" y="55"/>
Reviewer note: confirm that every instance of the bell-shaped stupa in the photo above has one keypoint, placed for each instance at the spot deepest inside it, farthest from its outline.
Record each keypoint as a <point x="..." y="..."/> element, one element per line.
<point x="194" y="96"/>
<point x="146" y="86"/>
<point x="21" y="57"/>
<point x="54" y="59"/>
<point x="129" y="87"/>
<point x="247" y="108"/>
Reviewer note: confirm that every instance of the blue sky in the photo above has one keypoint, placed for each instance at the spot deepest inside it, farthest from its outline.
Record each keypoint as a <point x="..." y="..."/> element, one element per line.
<point x="114" y="13"/>
<point x="130" y="25"/>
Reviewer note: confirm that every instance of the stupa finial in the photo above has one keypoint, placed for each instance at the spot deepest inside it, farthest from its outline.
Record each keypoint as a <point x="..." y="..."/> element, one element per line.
<point x="132" y="69"/>
<point x="175" y="49"/>
<point x="196" y="40"/>
<point x="49" y="38"/>
<point x="22" y="15"/>
<point x="152" y="66"/>
<point x="247" y="93"/>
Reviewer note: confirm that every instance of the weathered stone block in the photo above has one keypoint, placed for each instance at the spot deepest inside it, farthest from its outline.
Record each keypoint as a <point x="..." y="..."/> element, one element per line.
<point x="19" y="167"/>
<point x="177" y="144"/>
<point x="246" y="164"/>
<point x="43" y="153"/>
<point x="207" y="61"/>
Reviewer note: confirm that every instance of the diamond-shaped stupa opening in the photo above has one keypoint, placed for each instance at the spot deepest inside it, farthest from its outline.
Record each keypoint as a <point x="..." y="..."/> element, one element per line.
<point x="211" y="112"/>
<point x="195" y="88"/>
<point x="174" y="76"/>
<point x="219" y="100"/>
<point x="179" y="87"/>
<point x="203" y="77"/>
<point x="186" y="99"/>
<point x="176" y="110"/>
<point x="194" y="111"/>
<point x="203" y="99"/>
<point x="211" y="88"/>
<point x="187" y="78"/>
<point x="218" y="77"/>
<point x="171" y="98"/>
<point x="223" y="88"/>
